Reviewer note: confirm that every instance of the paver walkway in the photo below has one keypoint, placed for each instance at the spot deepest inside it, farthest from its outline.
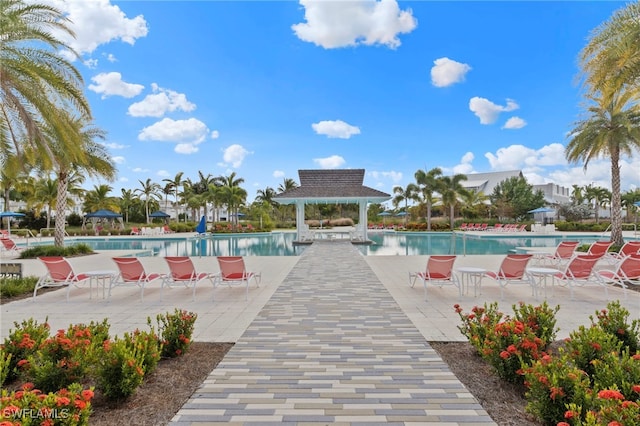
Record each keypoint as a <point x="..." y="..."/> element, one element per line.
<point x="331" y="346"/>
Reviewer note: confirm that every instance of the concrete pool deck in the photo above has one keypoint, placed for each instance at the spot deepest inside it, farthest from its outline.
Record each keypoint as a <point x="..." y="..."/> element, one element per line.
<point x="330" y="337"/>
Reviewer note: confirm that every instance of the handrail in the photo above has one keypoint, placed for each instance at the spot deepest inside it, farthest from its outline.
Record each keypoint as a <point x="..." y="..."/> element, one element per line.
<point x="635" y="229"/>
<point x="66" y="234"/>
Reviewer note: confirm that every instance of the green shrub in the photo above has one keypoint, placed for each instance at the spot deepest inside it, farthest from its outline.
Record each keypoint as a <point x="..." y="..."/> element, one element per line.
<point x="146" y="344"/>
<point x="28" y="406"/>
<point x="477" y="325"/>
<point x="121" y="369"/>
<point x="11" y="287"/>
<point x="5" y="365"/>
<point x="21" y="343"/>
<point x="39" y="251"/>
<point x="588" y="344"/>
<point x="615" y="321"/>
<point x="540" y="319"/>
<point x="175" y="331"/>
<point x="61" y="360"/>
<point x="553" y="382"/>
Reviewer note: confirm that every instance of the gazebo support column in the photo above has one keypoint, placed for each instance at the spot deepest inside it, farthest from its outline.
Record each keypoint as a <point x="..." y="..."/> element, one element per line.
<point x="299" y="218"/>
<point x="362" y="219"/>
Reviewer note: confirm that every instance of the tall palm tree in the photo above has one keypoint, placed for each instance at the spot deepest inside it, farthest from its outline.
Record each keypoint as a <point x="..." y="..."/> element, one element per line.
<point x="452" y="189"/>
<point x="288" y="211"/>
<point x="98" y="198"/>
<point x="265" y="196"/>
<point x="175" y="184"/>
<point x="87" y="156"/>
<point x="610" y="62"/>
<point x="232" y="194"/>
<point x="428" y="182"/>
<point x="149" y="191"/>
<point x="577" y="194"/>
<point x="611" y="129"/>
<point x="37" y="81"/>
<point x="410" y="193"/>
<point x="127" y="199"/>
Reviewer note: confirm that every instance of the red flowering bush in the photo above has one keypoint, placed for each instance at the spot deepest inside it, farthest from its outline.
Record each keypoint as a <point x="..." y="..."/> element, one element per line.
<point x="20" y="344"/>
<point x="588" y="344"/>
<point x="60" y="360"/>
<point x="608" y="407"/>
<point x="615" y="321"/>
<point x="175" y="332"/>
<point x="67" y="407"/>
<point x="509" y="344"/>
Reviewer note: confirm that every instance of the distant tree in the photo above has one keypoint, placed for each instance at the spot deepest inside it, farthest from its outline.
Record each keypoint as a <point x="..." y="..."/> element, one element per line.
<point x="514" y="197"/>
<point x="451" y="192"/>
<point x="175" y="185"/>
<point x="428" y="183"/>
<point x="409" y="193"/>
<point x="149" y="191"/>
<point x="575" y="212"/>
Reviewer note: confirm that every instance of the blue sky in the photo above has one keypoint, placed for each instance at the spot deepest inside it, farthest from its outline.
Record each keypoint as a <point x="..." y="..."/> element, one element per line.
<point x="265" y="88"/>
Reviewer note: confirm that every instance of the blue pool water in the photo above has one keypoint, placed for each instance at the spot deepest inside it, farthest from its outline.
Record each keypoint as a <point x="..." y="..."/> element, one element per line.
<point x="281" y="244"/>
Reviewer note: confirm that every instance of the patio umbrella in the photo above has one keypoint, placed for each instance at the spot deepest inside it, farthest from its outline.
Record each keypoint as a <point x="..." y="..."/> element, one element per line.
<point x="541" y="210"/>
<point x="384" y="216"/>
<point x="202" y="226"/>
<point x="159" y="214"/>
<point x="637" y="204"/>
<point x="10" y="215"/>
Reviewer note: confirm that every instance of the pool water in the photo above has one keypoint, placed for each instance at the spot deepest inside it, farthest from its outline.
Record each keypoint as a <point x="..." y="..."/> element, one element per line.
<point x="281" y="244"/>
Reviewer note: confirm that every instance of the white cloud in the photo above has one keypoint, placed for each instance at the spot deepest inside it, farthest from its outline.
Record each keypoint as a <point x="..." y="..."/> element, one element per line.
<point x="332" y="162"/>
<point x="335" y="129"/>
<point x="278" y="174"/>
<point x="159" y="103"/>
<point x="186" y="148"/>
<point x="235" y="155"/>
<point x="91" y="63"/>
<point x="163" y="173"/>
<point x="515" y="157"/>
<point x="333" y="24"/>
<point x="190" y="131"/>
<point x="113" y="145"/>
<point x="465" y="166"/>
<point x="111" y="57"/>
<point x="98" y="22"/>
<point x="393" y="175"/>
<point x="514" y="123"/>
<point x="111" y="84"/>
<point x="487" y="111"/>
<point x="139" y="170"/>
<point x="446" y="72"/>
<point x="215" y="134"/>
<point x="118" y="159"/>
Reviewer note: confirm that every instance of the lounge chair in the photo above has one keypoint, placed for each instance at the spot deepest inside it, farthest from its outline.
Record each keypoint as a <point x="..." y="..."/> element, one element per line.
<point x="599" y="248"/>
<point x="630" y="247"/>
<point x="132" y="273"/>
<point x="182" y="272"/>
<point x="233" y="271"/>
<point x="512" y="271"/>
<point x="59" y="274"/>
<point x="135" y="230"/>
<point x="579" y="272"/>
<point x="4" y="233"/>
<point x="564" y="252"/>
<point x="439" y="271"/>
<point x="627" y="273"/>
<point x="9" y="245"/>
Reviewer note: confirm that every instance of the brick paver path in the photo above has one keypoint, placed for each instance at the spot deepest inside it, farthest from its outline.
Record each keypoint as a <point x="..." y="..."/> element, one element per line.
<point x="331" y="347"/>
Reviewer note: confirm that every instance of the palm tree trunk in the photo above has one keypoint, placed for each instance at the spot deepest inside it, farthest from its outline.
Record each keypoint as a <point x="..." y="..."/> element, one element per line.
<point x="616" y="202"/>
<point x="61" y="207"/>
<point x="452" y="212"/>
<point x="428" y="215"/>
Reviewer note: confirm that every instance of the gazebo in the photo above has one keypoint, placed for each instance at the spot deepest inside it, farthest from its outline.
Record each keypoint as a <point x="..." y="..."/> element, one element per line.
<point x="343" y="186"/>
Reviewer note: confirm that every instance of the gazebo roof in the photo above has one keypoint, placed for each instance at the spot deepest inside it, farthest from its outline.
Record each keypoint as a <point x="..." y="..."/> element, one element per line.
<point x="332" y="186"/>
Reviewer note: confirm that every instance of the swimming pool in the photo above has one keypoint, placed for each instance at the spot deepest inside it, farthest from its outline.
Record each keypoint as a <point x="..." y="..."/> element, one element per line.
<point x="281" y="244"/>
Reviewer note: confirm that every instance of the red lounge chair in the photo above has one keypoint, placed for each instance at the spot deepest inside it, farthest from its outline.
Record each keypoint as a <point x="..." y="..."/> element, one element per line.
<point x="135" y="230"/>
<point x="564" y="252"/>
<point x="9" y="245"/>
<point x="464" y="227"/>
<point x="439" y="271"/>
<point x="498" y="227"/>
<point x="599" y="248"/>
<point x="233" y="270"/>
<point x="182" y="272"/>
<point x="627" y="273"/>
<point x="628" y="248"/>
<point x="132" y="273"/>
<point x="579" y="271"/>
<point x="512" y="271"/>
<point x="59" y="274"/>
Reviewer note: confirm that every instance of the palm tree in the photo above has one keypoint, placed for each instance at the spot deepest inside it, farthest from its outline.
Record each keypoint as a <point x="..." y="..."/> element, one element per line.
<point x="37" y="81"/>
<point x="428" y="183"/>
<point x="265" y="196"/>
<point x="611" y="129"/>
<point x="610" y="62"/>
<point x="127" y="199"/>
<point x="405" y="194"/>
<point x="577" y="194"/>
<point x="451" y="190"/>
<point x="175" y="184"/>
<point x="150" y="190"/>
<point x="45" y="193"/>
<point x="87" y="156"/>
<point x="289" y="209"/>
<point x="232" y="194"/>
<point x="98" y="198"/>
